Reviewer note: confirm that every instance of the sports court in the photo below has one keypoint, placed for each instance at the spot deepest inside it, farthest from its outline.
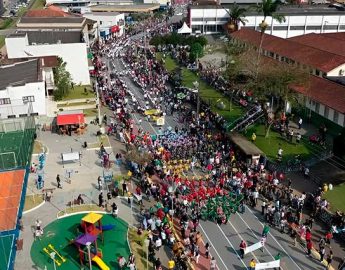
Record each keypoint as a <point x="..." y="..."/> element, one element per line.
<point x="11" y="186"/>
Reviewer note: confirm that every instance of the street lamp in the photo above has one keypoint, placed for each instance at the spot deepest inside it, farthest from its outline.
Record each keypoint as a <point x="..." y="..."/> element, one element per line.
<point x="52" y="256"/>
<point x="88" y="246"/>
<point x="147" y="243"/>
<point x="232" y="63"/>
<point x="196" y="86"/>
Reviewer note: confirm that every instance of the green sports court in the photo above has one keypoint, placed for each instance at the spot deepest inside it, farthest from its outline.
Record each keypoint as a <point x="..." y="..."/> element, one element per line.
<point x="60" y="234"/>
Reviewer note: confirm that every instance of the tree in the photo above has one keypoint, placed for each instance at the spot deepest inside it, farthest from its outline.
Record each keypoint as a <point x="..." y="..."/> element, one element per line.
<point x="62" y="79"/>
<point x="269" y="9"/>
<point x="237" y="16"/>
<point x="196" y="50"/>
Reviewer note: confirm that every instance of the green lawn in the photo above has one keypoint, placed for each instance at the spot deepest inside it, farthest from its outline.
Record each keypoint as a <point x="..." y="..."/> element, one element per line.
<point x="2" y="41"/>
<point x="78" y="92"/>
<point x="38" y="4"/>
<point x="336" y="198"/>
<point x="271" y="144"/>
<point x="207" y="93"/>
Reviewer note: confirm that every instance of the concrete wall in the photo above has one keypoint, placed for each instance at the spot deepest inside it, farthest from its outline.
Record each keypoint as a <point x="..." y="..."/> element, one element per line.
<point x="16" y="94"/>
<point x="74" y="54"/>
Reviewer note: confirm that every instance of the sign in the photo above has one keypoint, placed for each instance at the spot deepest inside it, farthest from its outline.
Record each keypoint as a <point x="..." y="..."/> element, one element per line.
<point x="253" y="247"/>
<point x="272" y="264"/>
<point x="160" y="121"/>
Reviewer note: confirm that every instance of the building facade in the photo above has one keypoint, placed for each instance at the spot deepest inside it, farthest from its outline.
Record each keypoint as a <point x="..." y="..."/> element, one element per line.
<point x="113" y="22"/>
<point x="21" y="84"/>
<point x="299" y="20"/>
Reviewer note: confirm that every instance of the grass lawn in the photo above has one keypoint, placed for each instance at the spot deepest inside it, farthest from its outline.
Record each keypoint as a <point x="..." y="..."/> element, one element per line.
<point x="90" y="112"/>
<point x="138" y="248"/>
<point x="271" y="144"/>
<point x="38" y="4"/>
<point x="2" y="41"/>
<point x="32" y="201"/>
<point x="207" y="93"/>
<point x="336" y="198"/>
<point x="6" y="23"/>
<point x="78" y="92"/>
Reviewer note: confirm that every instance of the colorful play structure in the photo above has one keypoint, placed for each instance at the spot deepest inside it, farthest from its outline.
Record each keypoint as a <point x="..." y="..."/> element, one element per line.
<point x="87" y="242"/>
<point x="56" y="253"/>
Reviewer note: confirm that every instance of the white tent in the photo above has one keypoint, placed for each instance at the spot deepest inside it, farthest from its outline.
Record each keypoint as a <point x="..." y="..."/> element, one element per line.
<point x="184" y="29"/>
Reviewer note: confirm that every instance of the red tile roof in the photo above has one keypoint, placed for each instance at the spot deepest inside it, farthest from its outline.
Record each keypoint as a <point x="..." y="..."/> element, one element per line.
<point x="325" y="92"/>
<point x="51" y="11"/>
<point x="49" y="61"/>
<point x="321" y="60"/>
<point x="338" y="35"/>
<point x="321" y="42"/>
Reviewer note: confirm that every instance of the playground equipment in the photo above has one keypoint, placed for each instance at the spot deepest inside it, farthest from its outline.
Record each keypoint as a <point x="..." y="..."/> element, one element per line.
<point x="55" y="252"/>
<point x="87" y="242"/>
<point x="40" y="171"/>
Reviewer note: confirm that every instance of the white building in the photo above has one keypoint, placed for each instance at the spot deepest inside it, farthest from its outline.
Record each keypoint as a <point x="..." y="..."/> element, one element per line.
<point x="67" y="45"/>
<point x="299" y="20"/>
<point x="20" y="84"/>
<point x="113" y="22"/>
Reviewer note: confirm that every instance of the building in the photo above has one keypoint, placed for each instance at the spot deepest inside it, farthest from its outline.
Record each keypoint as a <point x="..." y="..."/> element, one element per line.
<point x="325" y="93"/>
<point x="146" y="8"/>
<point x="67" y="37"/>
<point x="77" y="4"/>
<point x="20" y="84"/>
<point x="209" y="19"/>
<point x="111" y="22"/>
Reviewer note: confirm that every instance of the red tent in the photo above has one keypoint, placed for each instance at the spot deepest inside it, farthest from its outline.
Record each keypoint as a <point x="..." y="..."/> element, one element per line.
<point x="70" y="118"/>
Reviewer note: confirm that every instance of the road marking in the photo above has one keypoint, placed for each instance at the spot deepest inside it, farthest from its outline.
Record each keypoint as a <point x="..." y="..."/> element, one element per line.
<point x="232" y="247"/>
<point x="256" y="236"/>
<point x="276" y="241"/>
<point x="239" y="237"/>
<point x="213" y="246"/>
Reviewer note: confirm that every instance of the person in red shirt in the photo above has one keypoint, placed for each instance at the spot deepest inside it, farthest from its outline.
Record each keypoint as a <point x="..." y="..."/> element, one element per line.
<point x="243" y="246"/>
<point x="328" y="237"/>
<point x="308" y="235"/>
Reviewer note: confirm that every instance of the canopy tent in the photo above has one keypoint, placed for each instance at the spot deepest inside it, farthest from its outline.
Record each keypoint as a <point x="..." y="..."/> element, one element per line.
<point x="184" y="29"/>
<point x="70" y="118"/>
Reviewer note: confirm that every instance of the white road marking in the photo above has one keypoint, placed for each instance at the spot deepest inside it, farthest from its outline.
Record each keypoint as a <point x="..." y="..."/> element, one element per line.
<point x="215" y="250"/>
<point x="277" y="241"/>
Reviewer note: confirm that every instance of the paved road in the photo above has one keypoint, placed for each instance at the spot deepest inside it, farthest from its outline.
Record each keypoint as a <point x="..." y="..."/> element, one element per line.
<point x="225" y="239"/>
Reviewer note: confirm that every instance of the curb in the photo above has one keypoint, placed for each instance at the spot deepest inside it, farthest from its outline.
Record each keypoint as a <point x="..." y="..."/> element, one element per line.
<point x="81" y="212"/>
<point x="34" y="208"/>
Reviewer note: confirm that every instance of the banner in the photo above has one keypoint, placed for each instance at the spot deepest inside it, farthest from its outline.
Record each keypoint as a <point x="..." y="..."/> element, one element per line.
<point x="272" y="264"/>
<point x="253" y="247"/>
<point x="160" y="121"/>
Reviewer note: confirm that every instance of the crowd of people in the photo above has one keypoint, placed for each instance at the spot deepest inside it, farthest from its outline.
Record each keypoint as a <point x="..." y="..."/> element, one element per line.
<point x="201" y="144"/>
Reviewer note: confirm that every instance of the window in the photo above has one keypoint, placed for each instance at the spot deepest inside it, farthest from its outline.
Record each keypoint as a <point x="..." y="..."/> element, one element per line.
<point x="280" y="28"/>
<point x="314" y="27"/>
<point x="34" y="114"/>
<point x="29" y="99"/>
<point x="335" y="117"/>
<point x="326" y="112"/>
<point x="23" y="115"/>
<point x="295" y="27"/>
<point x="4" y="101"/>
<point x="11" y="116"/>
<point x="317" y="72"/>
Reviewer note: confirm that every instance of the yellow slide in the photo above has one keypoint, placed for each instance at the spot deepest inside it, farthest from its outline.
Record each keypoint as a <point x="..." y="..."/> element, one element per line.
<point x="100" y="263"/>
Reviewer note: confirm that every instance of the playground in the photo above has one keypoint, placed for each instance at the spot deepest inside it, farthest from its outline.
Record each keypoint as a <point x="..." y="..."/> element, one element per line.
<point x="68" y="238"/>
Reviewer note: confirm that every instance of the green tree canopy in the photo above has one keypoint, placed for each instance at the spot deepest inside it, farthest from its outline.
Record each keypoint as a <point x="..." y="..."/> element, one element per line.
<point x="62" y="79"/>
<point x="196" y="50"/>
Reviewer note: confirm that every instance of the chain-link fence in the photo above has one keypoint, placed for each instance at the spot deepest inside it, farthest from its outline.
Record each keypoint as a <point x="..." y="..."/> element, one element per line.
<point x="17" y="139"/>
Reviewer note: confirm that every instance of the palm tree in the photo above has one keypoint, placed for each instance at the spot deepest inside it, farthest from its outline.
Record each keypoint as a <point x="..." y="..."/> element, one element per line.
<point x="237" y="16"/>
<point x="268" y="8"/>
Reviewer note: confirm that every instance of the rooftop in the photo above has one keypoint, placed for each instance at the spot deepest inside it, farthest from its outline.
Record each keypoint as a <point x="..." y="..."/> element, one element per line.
<point x="54" y="37"/>
<point x="51" y="11"/>
<point x="50" y="20"/>
<point x="126" y="8"/>
<point x="322" y="42"/>
<point x="338" y="35"/>
<point x="110" y="14"/>
<point x="325" y="92"/>
<point x="286" y="9"/>
<point x="319" y="59"/>
<point x="19" y="73"/>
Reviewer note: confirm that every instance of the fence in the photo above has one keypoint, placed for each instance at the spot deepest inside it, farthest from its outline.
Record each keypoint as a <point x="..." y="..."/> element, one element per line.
<point x="17" y="139"/>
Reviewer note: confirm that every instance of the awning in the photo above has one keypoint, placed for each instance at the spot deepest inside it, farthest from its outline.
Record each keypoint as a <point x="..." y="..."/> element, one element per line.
<point x="70" y="118"/>
<point x="184" y="29"/>
<point x="115" y="29"/>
